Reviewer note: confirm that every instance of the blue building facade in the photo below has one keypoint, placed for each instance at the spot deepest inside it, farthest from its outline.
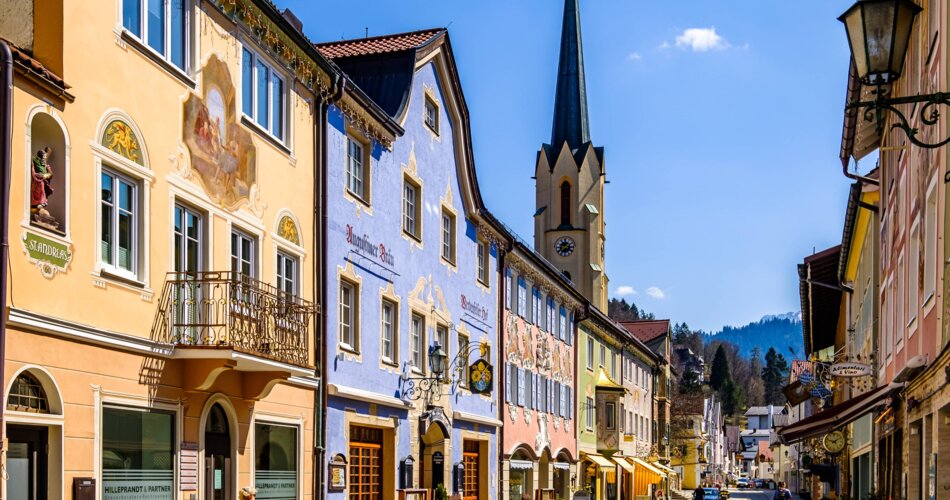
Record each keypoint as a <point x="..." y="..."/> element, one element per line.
<point x="412" y="272"/>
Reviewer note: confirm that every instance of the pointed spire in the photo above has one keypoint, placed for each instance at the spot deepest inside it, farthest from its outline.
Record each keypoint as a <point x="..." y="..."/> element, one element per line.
<point x="570" y="100"/>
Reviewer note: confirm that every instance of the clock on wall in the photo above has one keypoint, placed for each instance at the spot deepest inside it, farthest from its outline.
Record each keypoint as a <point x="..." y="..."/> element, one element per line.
<point x="833" y="442"/>
<point x="564" y="246"/>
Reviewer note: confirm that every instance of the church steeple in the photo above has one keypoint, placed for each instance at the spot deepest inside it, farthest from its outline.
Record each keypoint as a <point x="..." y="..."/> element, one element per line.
<point x="570" y="101"/>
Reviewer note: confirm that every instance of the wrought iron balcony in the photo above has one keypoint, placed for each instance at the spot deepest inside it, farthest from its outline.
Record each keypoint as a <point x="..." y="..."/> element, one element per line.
<point x="227" y="310"/>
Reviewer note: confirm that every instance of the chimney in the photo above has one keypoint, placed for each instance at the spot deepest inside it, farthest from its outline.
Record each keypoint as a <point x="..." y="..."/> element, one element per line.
<point x="293" y="20"/>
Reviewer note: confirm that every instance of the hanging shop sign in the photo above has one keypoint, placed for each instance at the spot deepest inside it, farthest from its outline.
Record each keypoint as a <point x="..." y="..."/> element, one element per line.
<point x="49" y="255"/>
<point x="849" y="370"/>
<point x="481" y="377"/>
<point x="365" y="246"/>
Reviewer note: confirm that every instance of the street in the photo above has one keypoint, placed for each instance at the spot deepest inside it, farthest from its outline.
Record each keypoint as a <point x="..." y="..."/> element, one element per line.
<point x="751" y="494"/>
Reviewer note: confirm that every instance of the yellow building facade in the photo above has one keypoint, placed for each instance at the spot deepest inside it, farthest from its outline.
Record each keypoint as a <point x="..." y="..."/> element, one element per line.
<point x="162" y="305"/>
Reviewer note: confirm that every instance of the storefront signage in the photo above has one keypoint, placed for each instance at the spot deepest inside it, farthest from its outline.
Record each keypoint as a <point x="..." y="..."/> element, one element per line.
<point x="850" y="370"/>
<point x="132" y="484"/>
<point x="474" y="308"/>
<point x="481" y="377"/>
<point x="276" y="485"/>
<point x="367" y="247"/>
<point x="337" y="474"/>
<point x="49" y="255"/>
<point x="188" y="467"/>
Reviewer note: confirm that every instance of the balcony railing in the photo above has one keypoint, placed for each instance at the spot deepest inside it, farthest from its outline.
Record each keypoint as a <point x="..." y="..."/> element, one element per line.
<point x="231" y="310"/>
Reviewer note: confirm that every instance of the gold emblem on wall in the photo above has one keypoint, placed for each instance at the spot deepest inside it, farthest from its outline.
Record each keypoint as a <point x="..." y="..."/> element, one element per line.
<point x="120" y="139"/>
<point x="222" y="151"/>
<point x="287" y="230"/>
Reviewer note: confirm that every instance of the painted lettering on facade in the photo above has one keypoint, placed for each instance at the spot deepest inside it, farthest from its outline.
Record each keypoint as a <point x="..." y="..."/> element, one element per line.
<point x="474" y="308"/>
<point x="366" y="246"/>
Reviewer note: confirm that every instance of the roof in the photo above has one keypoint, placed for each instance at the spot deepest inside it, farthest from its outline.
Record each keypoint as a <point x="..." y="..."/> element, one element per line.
<point x="570" y="98"/>
<point x="859" y="137"/>
<point x="821" y="298"/>
<point x="765" y="451"/>
<point x="647" y="330"/>
<point x="383" y="44"/>
<point x="757" y="410"/>
<point x="31" y="66"/>
<point x="604" y="382"/>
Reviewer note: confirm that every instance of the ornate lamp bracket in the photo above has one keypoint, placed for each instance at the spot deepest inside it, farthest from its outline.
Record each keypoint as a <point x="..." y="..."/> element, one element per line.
<point x="928" y="114"/>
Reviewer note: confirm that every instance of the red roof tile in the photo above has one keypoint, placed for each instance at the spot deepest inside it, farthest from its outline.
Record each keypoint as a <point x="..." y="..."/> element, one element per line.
<point x="377" y="44"/>
<point x="647" y="330"/>
<point x="27" y="62"/>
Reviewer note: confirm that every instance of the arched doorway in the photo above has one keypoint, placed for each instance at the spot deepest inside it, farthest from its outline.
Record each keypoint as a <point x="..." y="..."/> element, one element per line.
<point x="544" y="470"/>
<point x="218" y="459"/>
<point x="521" y="476"/>
<point x="435" y="460"/>
<point x="34" y="432"/>
<point x="562" y="474"/>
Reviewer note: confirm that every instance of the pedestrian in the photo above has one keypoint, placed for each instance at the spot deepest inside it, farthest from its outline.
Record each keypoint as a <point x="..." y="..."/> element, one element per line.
<point x="782" y="493"/>
<point x="698" y="493"/>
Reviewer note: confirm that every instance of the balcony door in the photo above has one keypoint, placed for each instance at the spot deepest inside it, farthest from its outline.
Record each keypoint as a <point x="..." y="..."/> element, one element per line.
<point x="188" y="327"/>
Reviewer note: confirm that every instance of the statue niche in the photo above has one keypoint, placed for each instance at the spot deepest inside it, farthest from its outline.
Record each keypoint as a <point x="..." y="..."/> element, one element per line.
<point x="47" y="173"/>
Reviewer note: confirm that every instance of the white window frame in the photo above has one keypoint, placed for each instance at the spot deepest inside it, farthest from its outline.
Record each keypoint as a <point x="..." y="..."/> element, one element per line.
<point x="391" y="357"/>
<point x="412" y="223"/>
<point x="931" y="250"/>
<point x="463" y="346"/>
<point x="165" y="54"/>
<point x="913" y="278"/>
<point x="274" y="74"/>
<point x="417" y="342"/>
<point x="590" y="353"/>
<point x="137" y="218"/>
<point x="239" y="255"/>
<point x="364" y="168"/>
<point x="281" y="279"/>
<point x="482" y="262"/>
<point x="202" y="236"/>
<point x="449" y="231"/>
<point x="589" y="410"/>
<point x="434" y="124"/>
<point x="349" y="316"/>
<point x="522" y="297"/>
<point x="280" y="421"/>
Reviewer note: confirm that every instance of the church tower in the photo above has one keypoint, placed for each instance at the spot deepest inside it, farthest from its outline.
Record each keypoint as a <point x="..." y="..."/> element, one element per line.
<point x="569" y="177"/>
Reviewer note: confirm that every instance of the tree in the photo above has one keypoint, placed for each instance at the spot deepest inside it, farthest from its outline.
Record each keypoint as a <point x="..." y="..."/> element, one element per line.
<point x="720" y="369"/>
<point x="773" y="377"/>
<point x="732" y="400"/>
<point x="621" y="310"/>
<point x="690" y="383"/>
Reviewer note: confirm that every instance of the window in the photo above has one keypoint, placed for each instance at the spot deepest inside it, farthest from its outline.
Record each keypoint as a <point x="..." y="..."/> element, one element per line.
<point x="562" y="323"/>
<point x="522" y="297"/>
<point x="349" y="329"/>
<point x="432" y="115"/>
<point x="27" y="394"/>
<point x="417" y="341"/>
<point x="287" y="274"/>
<point x="275" y="460"/>
<point x="366" y="463"/>
<point x="463" y="348"/>
<point x="623" y="413"/>
<point x="388" y="334"/>
<point x="589" y="410"/>
<point x="188" y="229"/>
<point x="356" y="163"/>
<point x="930" y="242"/>
<point x="120" y="222"/>
<point x="263" y="94"/>
<point x="913" y="276"/>
<point x="543" y="311"/>
<point x="521" y="387"/>
<point x="448" y="236"/>
<point x="901" y="298"/>
<point x="138" y="450"/>
<point x="442" y="336"/>
<point x="411" y="209"/>
<point x="536" y="305"/>
<point x="566" y="204"/>
<point x="603" y="356"/>
<point x="613" y="365"/>
<point x="164" y="27"/>
<point x="242" y="254"/>
<point x="482" y="262"/>
<point x="590" y="353"/>
<point x="509" y="291"/>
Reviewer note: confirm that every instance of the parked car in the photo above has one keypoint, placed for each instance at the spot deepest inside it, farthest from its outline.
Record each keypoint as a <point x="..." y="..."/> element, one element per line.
<point x="742" y="483"/>
<point x="711" y="494"/>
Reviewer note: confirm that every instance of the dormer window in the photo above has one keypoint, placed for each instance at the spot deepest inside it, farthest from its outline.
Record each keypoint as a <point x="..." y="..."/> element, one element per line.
<point x="432" y="114"/>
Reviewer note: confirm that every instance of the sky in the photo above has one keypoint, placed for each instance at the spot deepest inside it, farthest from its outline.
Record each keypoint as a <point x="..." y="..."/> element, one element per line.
<point x="721" y="123"/>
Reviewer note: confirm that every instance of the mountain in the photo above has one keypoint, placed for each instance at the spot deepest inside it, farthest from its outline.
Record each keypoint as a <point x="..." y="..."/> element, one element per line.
<point x="782" y="331"/>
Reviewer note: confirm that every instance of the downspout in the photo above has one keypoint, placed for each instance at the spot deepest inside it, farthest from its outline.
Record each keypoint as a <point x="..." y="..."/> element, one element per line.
<point x="502" y="300"/>
<point x="6" y="130"/>
<point x="320" y="237"/>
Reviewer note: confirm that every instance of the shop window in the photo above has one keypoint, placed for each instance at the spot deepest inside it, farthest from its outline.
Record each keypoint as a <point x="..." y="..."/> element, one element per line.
<point x="471" y="472"/>
<point x="162" y="25"/>
<point x="263" y="94"/>
<point x="276" y="475"/>
<point x="138" y="451"/>
<point x="48" y="168"/>
<point x="27" y="394"/>
<point x="366" y="463"/>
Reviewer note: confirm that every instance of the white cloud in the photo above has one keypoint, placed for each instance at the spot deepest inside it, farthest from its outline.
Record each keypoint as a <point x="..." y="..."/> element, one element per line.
<point x="664" y="45"/>
<point x="625" y="290"/>
<point x="634" y="56"/>
<point x="701" y="40"/>
<point x="656" y="293"/>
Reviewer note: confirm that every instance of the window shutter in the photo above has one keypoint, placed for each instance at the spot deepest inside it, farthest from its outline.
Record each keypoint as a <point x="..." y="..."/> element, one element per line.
<point x="508" y="382"/>
<point x="570" y="403"/>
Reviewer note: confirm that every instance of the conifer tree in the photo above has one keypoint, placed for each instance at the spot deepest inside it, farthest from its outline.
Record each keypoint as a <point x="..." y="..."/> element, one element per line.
<point x="720" y="370"/>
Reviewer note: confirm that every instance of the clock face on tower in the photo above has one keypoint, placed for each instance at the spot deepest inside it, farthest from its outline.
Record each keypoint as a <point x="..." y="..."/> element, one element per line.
<point x="564" y="246"/>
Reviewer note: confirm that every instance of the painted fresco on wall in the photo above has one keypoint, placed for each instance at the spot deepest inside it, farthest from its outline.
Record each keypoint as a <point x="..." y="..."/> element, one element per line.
<point x="222" y="152"/>
<point x="120" y="139"/>
<point x="287" y="230"/>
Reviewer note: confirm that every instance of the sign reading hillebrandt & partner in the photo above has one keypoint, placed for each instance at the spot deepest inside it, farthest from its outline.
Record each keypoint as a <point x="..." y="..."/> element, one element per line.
<point x="50" y="256"/>
<point x="276" y="484"/>
<point x="849" y="370"/>
<point x="132" y="484"/>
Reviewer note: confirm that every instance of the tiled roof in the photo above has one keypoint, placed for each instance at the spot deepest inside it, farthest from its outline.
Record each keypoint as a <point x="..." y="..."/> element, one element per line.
<point x="377" y="44"/>
<point x="646" y="331"/>
<point x="757" y="410"/>
<point x="26" y="61"/>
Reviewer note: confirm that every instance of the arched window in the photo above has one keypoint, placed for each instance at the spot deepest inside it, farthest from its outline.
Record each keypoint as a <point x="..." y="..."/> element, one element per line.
<point x="565" y="203"/>
<point x="27" y="394"/>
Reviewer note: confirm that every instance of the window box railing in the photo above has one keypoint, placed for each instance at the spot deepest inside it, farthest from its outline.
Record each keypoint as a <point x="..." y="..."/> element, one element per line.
<point x="231" y="310"/>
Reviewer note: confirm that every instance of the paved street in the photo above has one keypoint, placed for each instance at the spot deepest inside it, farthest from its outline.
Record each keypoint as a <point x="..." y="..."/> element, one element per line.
<point x="751" y="494"/>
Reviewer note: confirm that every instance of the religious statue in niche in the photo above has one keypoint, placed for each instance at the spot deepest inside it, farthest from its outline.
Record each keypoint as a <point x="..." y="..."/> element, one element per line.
<point x="41" y="172"/>
<point x="222" y="151"/>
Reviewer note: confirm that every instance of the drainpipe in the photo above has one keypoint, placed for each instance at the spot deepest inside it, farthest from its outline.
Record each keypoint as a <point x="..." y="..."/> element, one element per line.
<point x="6" y="131"/>
<point x="503" y="367"/>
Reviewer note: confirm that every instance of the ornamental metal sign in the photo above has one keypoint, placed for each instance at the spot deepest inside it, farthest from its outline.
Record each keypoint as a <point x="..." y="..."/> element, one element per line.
<point x="481" y="377"/>
<point x="849" y="370"/>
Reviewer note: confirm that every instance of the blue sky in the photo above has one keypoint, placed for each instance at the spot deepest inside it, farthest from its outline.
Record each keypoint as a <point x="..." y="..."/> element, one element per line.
<point x="721" y="123"/>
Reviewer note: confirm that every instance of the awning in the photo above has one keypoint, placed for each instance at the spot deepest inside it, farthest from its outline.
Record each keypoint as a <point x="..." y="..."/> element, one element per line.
<point x="561" y="465"/>
<point x="834" y="417"/>
<point x="625" y="465"/>
<point x="648" y="467"/>
<point x="645" y="475"/>
<point x="520" y="464"/>
<point x="599" y="460"/>
<point x="667" y="470"/>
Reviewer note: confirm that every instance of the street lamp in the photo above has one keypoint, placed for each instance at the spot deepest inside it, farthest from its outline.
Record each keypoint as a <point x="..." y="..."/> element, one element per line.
<point x="878" y="34"/>
<point x="437" y="359"/>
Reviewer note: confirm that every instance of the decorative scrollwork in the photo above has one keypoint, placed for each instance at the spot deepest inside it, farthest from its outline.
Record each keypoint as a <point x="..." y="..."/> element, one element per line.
<point x="928" y="114"/>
